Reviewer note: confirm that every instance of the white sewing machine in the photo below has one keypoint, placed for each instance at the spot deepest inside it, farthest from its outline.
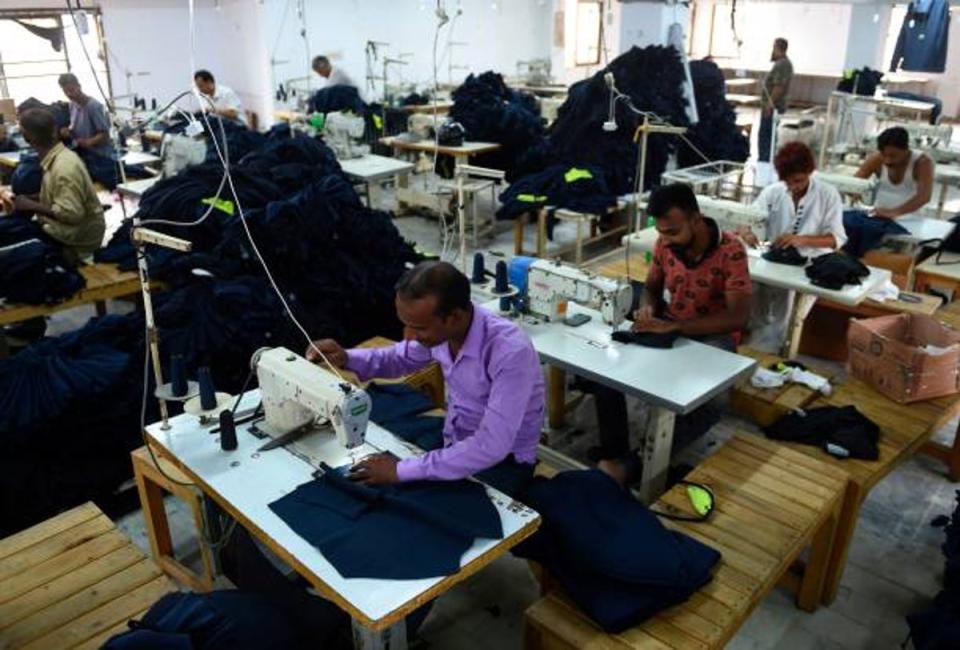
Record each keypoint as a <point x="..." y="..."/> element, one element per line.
<point x="341" y="131"/>
<point x="420" y="125"/>
<point x="296" y="393"/>
<point x="550" y="285"/>
<point x="731" y="215"/>
<point x="181" y="151"/>
<point x="848" y="185"/>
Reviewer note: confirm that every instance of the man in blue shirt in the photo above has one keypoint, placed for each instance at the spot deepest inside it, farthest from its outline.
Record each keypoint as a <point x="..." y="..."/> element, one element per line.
<point x="90" y="131"/>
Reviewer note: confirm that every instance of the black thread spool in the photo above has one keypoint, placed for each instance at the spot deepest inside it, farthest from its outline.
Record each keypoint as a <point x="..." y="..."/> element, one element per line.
<point x="228" y="431"/>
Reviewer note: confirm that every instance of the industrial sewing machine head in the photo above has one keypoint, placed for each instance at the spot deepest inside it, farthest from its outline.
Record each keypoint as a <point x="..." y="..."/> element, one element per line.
<point x="297" y="393"/>
<point x="731" y="215"/>
<point x="550" y="285"/>
<point x="862" y="189"/>
<point x="342" y="131"/>
<point x="420" y="126"/>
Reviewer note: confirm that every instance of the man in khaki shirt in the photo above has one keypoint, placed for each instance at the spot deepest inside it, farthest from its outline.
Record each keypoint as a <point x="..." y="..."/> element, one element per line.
<point x="68" y="207"/>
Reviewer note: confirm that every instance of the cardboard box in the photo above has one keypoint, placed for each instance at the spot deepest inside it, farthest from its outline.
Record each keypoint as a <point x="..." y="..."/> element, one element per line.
<point x="891" y="354"/>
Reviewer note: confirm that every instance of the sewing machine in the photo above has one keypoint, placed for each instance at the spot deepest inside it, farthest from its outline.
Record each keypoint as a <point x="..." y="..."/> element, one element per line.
<point x="341" y="131"/>
<point x="181" y="151"/>
<point x="848" y="185"/>
<point x="550" y="285"/>
<point x="731" y="215"/>
<point x="535" y="72"/>
<point x="420" y="126"/>
<point x="297" y="393"/>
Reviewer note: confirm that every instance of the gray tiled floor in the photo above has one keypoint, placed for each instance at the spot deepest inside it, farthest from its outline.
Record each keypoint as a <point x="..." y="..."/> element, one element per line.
<point x="895" y="562"/>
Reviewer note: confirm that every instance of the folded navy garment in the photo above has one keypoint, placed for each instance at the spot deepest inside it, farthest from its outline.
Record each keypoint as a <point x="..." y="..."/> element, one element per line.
<point x="646" y="339"/>
<point x="33" y="270"/>
<point x="406" y="531"/>
<point x="830" y="427"/>
<point x="395" y="401"/>
<point x="864" y="233"/>
<point x="611" y="555"/>
<point x="835" y="270"/>
<point x="789" y="255"/>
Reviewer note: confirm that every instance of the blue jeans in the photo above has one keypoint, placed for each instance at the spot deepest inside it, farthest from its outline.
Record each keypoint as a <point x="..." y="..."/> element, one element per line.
<point x="102" y="169"/>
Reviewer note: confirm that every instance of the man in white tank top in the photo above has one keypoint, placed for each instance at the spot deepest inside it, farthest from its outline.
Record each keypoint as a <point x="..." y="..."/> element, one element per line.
<point x="906" y="176"/>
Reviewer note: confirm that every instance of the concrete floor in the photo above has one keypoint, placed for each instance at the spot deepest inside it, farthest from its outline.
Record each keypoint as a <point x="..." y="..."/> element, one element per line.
<point x="895" y="562"/>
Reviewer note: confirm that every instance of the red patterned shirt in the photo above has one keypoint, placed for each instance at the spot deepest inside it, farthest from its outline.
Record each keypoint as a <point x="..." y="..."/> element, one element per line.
<point x="694" y="290"/>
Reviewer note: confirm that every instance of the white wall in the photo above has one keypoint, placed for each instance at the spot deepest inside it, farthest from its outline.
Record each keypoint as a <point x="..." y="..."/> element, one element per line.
<point x="497" y="37"/>
<point x="867" y="36"/>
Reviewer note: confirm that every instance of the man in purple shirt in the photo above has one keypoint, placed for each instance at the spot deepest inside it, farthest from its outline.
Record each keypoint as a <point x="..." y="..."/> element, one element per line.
<point x="495" y="394"/>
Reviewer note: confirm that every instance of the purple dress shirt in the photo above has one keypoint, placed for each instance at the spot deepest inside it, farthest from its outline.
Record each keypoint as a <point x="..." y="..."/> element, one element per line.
<point x="495" y="396"/>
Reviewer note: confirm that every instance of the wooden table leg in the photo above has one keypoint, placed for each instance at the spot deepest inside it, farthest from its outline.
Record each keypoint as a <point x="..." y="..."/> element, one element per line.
<point x="657" y="443"/>
<point x="578" y="249"/>
<point x="949" y="454"/>
<point x="811" y="587"/>
<point x="846" y="524"/>
<point x="542" y="233"/>
<point x="802" y="305"/>
<point x="519" y="226"/>
<point x="557" y="397"/>
<point x="942" y="201"/>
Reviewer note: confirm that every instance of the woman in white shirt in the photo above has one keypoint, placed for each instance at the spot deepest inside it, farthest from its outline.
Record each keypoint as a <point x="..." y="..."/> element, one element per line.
<point x="804" y="213"/>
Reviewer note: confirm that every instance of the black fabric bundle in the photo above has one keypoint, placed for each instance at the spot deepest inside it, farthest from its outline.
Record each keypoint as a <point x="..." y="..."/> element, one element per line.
<point x="838" y="430"/>
<point x="584" y="189"/>
<point x="646" y="339"/>
<point x="861" y="82"/>
<point x="491" y="112"/>
<point x="415" y="99"/>
<point x="27" y="178"/>
<point x="337" y="98"/>
<point x="716" y="133"/>
<point x="788" y="255"/>
<point x="834" y="270"/>
<point x="938" y="626"/>
<point x="589" y="538"/>
<point x="32" y="266"/>
<point x="864" y="233"/>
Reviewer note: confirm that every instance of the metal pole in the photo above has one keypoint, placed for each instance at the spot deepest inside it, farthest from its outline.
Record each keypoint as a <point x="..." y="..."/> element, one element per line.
<point x="461" y="223"/>
<point x="153" y="342"/>
<point x="643" y="166"/>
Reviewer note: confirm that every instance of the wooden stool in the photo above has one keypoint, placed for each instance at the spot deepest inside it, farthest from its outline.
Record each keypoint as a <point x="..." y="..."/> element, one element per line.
<point x="772" y="504"/>
<point x="73" y="581"/>
<point x="153" y="485"/>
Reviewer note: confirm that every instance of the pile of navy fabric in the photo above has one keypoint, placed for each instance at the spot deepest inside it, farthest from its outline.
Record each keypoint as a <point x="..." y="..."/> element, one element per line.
<point x="716" y="134"/>
<point x="860" y="82"/>
<point x="491" y="112"/>
<point x="336" y="98"/>
<point x="583" y="511"/>
<point x="865" y="233"/>
<point x="33" y="270"/>
<point x="335" y="261"/>
<point x="938" y="626"/>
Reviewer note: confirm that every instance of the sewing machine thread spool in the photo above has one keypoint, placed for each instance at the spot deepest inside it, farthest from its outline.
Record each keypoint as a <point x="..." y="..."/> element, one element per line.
<point x="502" y="285"/>
<point x="208" y="396"/>
<point x="228" y="431"/>
<point x="478" y="276"/>
<point x="178" y="376"/>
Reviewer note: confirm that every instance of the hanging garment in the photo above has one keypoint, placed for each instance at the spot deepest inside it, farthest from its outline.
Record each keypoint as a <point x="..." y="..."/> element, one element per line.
<point x="864" y="233"/>
<point x="922" y="43"/>
<point x="432" y="524"/>
<point x="589" y="539"/>
<point x="646" y="339"/>
<point x="841" y="431"/>
<point x="835" y="270"/>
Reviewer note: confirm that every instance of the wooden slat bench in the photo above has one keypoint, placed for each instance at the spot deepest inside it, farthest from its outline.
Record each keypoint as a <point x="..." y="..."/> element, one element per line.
<point x="104" y="282"/>
<point x="73" y="581"/>
<point x="772" y="504"/>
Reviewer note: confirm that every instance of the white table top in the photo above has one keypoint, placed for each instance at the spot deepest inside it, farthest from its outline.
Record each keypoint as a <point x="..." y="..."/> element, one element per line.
<point x="10" y="158"/>
<point x="679" y="379"/>
<point x="924" y="228"/>
<point x="943" y="174"/>
<point x="137" y="188"/>
<point x="249" y="480"/>
<point x="781" y="275"/>
<point x="140" y="158"/>
<point x="739" y="82"/>
<point x="739" y="98"/>
<point x="468" y="147"/>
<point x="373" y="167"/>
<point x="949" y="267"/>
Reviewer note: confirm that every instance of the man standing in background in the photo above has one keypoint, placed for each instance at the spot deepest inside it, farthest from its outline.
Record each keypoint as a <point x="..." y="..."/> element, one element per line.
<point x="333" y="76"/>
<point x="90" y="131"/>
<point x="776" y="88"/>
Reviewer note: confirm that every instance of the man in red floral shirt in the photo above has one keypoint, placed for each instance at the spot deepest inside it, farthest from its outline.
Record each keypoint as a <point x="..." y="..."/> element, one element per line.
<point x="698" y="286"/>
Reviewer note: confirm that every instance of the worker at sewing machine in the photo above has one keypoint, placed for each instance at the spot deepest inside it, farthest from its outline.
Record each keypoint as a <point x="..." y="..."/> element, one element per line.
<point x="67" y="207"/>
<point x="333" y="76"/>
<point x="804" y="213"/>
<point x="219" y="99"/>
<point x="89" y="131"/>
<point x="906" y="176"/>
<point x="698" y="286"/>
<point x="495" y="392"/>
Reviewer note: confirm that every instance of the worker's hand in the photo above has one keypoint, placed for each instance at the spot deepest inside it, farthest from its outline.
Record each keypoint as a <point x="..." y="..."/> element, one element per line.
<point x="885" y="213"/>
<point x="22" y="203"/>
<point x="644" y="313"/>
<point x="376" y="470"/>
<point x="748" y="237"/>
<point x="787" y="240"/>
<point x="331" y="350"/>
<point x="655" y="326"/>
<point x="6" y="201"/>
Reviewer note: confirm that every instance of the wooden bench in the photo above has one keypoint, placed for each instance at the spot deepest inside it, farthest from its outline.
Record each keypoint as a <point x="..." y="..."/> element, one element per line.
<point x="104" y="282"/>
<point x="73" y="581"/>
<point x="581" y="219"/>
<point x="771" y="504"/>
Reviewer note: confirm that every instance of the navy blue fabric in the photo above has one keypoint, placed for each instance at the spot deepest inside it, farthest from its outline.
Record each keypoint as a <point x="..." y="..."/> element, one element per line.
<point x="102" y="169"/>
<point x="923" y="39"/>
<point x="861" y="82"/>
<point x="834" y="270"/>
<point x="337" y="98"/>
<point x="400" y="532"/>
<point x="33" y="269"/>
<point x="936" y="101"/>
<point x="591" y="195"/>
<point x="643" y="567"/>
<point x="398" y="408"/>
<point x="28" y="175"/>
<point x="646" y="339"/>
<point x="716" y="133"/>
<point x="763" y="138"/>
<point x="509" y="476"/>
<point x="864" y="233"/>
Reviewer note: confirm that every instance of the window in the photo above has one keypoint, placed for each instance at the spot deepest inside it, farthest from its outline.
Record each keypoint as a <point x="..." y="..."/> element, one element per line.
<point x="588" y="33"/>
<point x="38" y="46"/>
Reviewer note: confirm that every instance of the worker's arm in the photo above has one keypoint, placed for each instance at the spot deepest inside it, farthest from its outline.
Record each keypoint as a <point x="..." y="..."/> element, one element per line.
<point x="653" y="288"/>
<point x="227" y="112"/>
<point x="923" y="174"/>
<point x="67" y="205"/>
<point x="388" y="362"/>
<point x="513" y="377"/>
<point x="733" y="319"/>
<point x="870" y="167"/>
<point x="776" y="92"/>
<point x="23" y="203"/>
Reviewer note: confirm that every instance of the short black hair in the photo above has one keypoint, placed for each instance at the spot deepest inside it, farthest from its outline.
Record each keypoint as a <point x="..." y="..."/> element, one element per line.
<point x="68" y="78"/>
<point x="320" y="60"/>
<point x="39" y="126"/>
<point x="204" y="75"/>
<point x="440" y="279"/>
<point x="781" y="43"/>
<point x="675" y="195"/>
<point x="895" y="136"/>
